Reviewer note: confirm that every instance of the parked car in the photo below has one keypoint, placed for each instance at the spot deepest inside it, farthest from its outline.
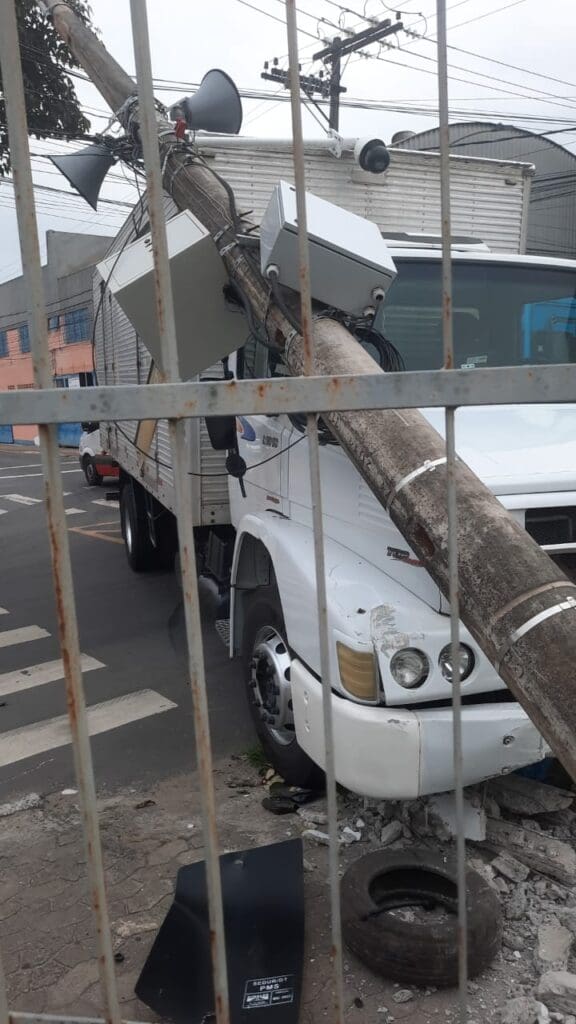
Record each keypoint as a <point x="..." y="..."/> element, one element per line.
<point x="96" y="462"/>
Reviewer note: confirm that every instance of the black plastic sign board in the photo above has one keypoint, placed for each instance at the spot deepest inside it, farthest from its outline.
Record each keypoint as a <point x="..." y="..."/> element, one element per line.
<point x="263" y="895"/>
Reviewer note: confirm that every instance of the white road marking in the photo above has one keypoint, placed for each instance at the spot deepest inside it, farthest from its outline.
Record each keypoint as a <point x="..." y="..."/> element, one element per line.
<point x="75" y="511"/>
<point x="29" y="476"/>
<point x="21" y="499"/>
<point x="4" y="611"/>
<point x="38" y="675"/>
<point x="3" y="511"/>
<point x="30" y="740"/>
<point x="11" y="637"/>
<point x="30" y="465"/>
<point x="107" y="504"/>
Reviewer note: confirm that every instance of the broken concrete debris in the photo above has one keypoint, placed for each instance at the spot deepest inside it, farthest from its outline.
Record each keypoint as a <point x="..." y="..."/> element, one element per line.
<point x="390" y="833"/>
<point x="554" y="942"/>
<point x="525" y="1010"/>
<point x="557" y="990"/>
<point x="511" y="868"/>
<point x="443" y="809"/>
<point x="403" y="995"/>
<point x="526" y="797"/>
<point x="315" y="836"/>
<point x="25" y="803"/>
<point x="549" y="856"/>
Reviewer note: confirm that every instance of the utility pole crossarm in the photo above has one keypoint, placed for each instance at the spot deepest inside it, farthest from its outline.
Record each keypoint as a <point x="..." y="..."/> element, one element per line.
<point x="369" y="35"/>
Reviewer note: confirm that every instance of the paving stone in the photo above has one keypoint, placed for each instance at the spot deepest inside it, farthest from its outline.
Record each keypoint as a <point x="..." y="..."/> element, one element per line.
<point x="72" y="985"/>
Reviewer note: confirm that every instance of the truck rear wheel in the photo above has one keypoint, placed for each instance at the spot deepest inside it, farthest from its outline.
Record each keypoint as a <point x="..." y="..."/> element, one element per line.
<point x="267" y="663"/>
<point x="142" y="554"/>
<point x="139" y="549"/>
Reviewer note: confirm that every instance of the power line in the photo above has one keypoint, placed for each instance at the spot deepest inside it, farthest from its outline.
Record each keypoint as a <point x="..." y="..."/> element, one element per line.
<point x="480" y="17"/>
<point x="273" y="17"/>
<point x="481" y="74"/>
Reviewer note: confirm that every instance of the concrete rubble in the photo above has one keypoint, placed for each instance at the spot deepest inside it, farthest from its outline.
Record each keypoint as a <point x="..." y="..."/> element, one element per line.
<point x="47" y="936"/>
<point x="557" y="989"/>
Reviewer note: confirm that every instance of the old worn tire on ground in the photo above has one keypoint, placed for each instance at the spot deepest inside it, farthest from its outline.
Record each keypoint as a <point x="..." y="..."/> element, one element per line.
<point x="93" y="477"/>
<point x="417" y="952"/>
<point x="266" y="659"/>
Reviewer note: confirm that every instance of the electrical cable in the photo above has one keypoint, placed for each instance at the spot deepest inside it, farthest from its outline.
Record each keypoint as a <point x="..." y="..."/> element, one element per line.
<point x="205" y="476"/>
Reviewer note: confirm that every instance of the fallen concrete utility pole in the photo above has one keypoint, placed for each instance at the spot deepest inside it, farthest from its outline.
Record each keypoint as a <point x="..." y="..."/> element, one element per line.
<point x="514" y="600"/>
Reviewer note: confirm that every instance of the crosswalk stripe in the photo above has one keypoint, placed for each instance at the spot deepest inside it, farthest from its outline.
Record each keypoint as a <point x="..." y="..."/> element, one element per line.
<point x="30" y="740"/>
<point x="38" y="675"/>
<point x="11" y="637"/>
<point x="21" y="499"/>
<point x="28" y="476"/>
<point x="107" y="504"/>
<point x="75" y="511"/>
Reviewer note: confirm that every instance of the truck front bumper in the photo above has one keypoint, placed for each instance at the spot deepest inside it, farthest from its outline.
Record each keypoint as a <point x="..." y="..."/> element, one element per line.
<point x="390" y="753"/>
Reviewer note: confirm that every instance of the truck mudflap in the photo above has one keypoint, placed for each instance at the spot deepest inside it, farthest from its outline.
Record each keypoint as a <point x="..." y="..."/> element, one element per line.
<point x="263" y="896"/>
<point x="391" y="753"/>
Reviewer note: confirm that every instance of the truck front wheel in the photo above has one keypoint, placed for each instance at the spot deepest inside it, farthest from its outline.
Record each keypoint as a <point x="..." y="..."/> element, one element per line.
<point x="267" y="663"/>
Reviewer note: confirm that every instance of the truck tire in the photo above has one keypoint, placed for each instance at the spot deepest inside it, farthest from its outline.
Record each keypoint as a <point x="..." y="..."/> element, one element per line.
<point x="93" y="478"/>
<point x="267" y="677"/>
<point x="410" y="948"/>
<point x="140" y="551"/>
<point x="166" y="541"/>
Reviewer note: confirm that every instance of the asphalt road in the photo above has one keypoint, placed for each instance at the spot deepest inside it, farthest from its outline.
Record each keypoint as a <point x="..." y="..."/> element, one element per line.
<point x="131" y="635"/>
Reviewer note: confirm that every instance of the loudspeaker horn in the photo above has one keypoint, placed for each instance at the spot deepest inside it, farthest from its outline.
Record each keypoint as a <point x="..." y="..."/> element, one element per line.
<point x="215" y="107"/>
<point x="86" y="170"/>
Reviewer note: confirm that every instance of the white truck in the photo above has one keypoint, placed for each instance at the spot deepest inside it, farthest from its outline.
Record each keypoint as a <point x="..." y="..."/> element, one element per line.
<point x="391" y="666"/>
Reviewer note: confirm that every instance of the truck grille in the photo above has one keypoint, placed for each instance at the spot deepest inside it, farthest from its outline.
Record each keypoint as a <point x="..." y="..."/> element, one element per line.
<point x="552" y="525"/>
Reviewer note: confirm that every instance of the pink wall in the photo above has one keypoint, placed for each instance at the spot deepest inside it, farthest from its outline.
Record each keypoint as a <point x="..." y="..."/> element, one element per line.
<point x="16" y="369"/>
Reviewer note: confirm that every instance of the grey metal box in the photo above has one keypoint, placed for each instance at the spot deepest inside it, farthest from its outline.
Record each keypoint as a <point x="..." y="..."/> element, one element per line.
<point x="348" y="257"/>
<point x="206" y="329"/>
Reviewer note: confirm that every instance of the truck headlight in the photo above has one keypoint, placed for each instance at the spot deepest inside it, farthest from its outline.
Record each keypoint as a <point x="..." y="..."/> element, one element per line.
<point x="466" y="662"/>
<point x="410" y="667"/>
<point x="358" y="672"/>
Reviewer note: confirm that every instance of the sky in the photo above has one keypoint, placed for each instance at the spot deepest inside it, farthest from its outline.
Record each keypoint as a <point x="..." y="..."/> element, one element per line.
<point x="189" y="38"/>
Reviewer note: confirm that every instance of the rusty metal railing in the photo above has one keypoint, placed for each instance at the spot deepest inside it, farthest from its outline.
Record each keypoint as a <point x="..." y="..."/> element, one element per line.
<point x="176" y="401"/>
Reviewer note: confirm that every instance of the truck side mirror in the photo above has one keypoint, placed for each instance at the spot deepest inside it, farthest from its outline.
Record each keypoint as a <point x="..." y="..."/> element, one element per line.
<point x="222" y="432"/>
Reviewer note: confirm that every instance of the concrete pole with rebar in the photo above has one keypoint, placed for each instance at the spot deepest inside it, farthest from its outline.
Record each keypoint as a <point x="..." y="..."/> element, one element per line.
<point x="515" y="601"/>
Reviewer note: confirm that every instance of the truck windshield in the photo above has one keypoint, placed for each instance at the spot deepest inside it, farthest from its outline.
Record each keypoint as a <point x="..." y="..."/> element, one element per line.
<point x="504" y="314"/>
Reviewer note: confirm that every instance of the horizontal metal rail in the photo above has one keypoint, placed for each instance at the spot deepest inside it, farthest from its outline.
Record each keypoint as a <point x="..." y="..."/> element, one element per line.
<point x="526" y="385"/>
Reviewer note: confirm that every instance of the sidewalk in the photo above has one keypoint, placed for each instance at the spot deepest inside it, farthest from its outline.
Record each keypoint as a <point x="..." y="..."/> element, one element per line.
<point x="46" y="929"/>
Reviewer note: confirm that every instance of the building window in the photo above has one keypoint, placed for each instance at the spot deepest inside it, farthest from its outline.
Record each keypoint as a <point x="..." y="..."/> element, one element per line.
<point x="53" y="323"/>
<point x="3" y="344"/>
<point x="76" y="325"/>
<point x="24" y="335"/>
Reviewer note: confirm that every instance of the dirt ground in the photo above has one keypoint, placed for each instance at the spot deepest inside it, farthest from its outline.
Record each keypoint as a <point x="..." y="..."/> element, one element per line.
<point x="46" y="928"/>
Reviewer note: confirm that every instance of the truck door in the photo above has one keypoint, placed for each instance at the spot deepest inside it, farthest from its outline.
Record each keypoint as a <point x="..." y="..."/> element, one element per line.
<point x="263" y="439"/>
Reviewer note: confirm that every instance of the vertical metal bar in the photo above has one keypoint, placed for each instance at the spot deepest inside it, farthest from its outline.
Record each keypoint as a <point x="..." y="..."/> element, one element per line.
<point x="316" y="492"/>
<point x="4" y="1011"/>
<point x="148" y="123"/>
<point x="13" y="89"/>
<point x="454" y="586"/>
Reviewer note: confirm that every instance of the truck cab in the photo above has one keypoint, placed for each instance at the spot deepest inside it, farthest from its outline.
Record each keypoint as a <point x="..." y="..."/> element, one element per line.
<point x="391" y="668"/>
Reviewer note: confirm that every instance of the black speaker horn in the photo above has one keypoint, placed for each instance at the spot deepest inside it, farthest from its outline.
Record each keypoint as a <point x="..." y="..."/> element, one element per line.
<point x="215" y="107"/>
<point x="86" y="170"/>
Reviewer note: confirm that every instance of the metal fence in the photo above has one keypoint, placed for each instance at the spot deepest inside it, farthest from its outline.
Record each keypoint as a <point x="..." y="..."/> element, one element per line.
<point x="177" y="401"/>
